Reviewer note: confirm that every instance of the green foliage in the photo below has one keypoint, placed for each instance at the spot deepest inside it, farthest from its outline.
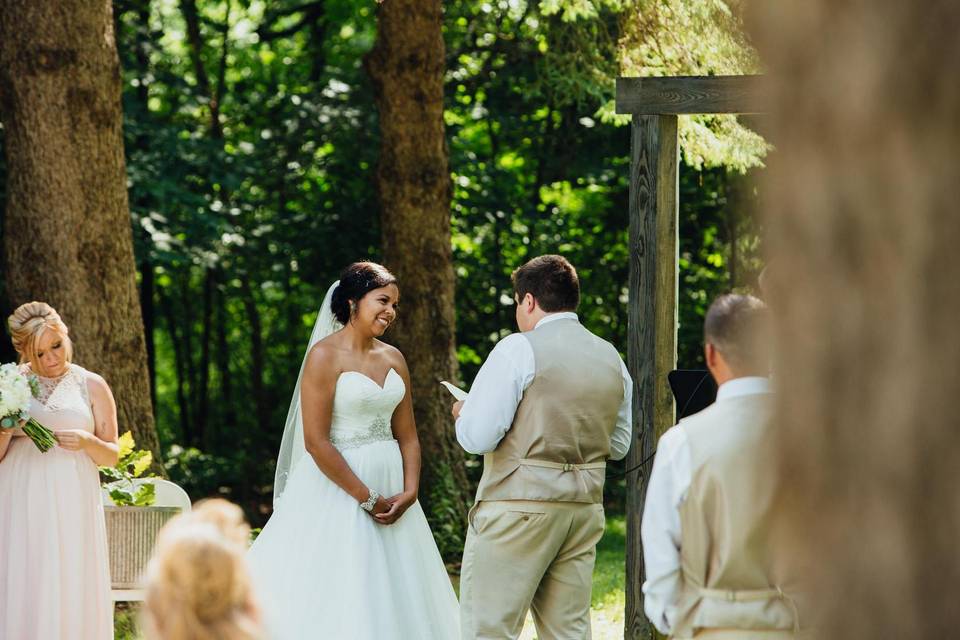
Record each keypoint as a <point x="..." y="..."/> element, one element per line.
<point x="120" y="479"/>
<point x="126" y="623"/>
<point x="695" y="37"/>
<point x="447" y="517"/>
<point x="240" y="225"/>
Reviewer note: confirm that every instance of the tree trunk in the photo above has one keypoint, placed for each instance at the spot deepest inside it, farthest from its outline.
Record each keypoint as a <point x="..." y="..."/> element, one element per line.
<point x="147" y="308"/>
<point x="862" y="212"/>
<point x="180" y="355"/>
<point x="202" y="395"/>
<point x="229" y="419"/>
<point x="67" y="236"/>
<point x="257" y="355"/>
<point x="413" y="180"/>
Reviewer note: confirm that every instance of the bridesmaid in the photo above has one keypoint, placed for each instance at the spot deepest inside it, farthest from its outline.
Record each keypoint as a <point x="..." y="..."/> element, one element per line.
<point x="54" y="572"/>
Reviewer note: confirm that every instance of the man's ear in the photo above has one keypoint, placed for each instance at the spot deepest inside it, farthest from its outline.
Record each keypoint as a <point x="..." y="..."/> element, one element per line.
<point x="528" y="303"/>
<point x="710" y="354"/>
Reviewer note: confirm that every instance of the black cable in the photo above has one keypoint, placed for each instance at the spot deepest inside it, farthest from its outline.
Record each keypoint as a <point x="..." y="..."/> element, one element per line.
<point x="683" y="411"/>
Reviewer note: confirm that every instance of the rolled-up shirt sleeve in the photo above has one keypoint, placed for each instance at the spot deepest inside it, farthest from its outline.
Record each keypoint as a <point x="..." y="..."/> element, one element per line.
<point x="489" y="409"/>
<point x="623" y="432"/>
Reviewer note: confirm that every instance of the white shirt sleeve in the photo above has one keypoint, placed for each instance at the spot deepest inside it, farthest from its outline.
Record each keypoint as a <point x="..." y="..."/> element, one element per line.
<point x="660" y="528"/>
<point x="488" y="412"/>
<point x="623" y="432"/>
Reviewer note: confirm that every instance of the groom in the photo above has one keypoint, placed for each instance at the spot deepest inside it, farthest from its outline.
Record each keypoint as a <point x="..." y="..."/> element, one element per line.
<point x="548" y="408"/>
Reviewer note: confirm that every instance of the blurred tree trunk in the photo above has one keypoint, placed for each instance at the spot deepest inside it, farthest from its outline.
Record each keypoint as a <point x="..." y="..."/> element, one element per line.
<point x="180" y="355"/>
<point x="67" y="235"/>
<point x="413" y="180"/>
<point x="202" y="396"/>
<point x="147" y="308"/>
<point x="257" y="354"/>
<point x="229" y="411"/>
<point x="862" y="211"/>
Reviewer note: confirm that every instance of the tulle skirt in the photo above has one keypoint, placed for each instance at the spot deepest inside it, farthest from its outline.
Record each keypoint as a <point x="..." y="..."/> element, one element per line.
<point x="324" y="569"/>
<point x="54" y="571"/>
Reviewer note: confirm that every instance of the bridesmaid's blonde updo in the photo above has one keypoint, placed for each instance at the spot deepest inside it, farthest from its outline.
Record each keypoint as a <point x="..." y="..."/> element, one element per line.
<point x="28" y="322"/>
<point x="198" y="586"/>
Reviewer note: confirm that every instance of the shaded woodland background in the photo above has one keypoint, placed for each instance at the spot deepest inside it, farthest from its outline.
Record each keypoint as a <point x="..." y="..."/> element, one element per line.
<point x="183" y="178"/>
<point x="268" y="144"/>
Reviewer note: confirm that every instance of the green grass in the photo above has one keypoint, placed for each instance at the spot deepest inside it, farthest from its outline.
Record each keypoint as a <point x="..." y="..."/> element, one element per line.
<point x="607" y="602"/>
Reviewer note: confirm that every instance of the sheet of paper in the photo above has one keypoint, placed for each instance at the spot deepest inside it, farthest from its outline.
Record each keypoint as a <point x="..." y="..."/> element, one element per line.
<point x="455" y="391"/>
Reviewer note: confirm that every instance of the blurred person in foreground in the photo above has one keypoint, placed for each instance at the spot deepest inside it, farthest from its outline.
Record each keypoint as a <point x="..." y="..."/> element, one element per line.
<point x="198" y="585"/>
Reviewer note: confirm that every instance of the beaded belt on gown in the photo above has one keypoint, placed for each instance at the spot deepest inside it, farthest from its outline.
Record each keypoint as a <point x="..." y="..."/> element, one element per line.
<point x="379" y="431"/>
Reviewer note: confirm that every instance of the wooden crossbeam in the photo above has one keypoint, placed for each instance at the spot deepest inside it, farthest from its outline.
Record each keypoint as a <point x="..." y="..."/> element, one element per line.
<point x="690" y="94"/>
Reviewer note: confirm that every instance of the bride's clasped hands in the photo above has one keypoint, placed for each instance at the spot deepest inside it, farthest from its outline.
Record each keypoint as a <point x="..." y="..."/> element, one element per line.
<point x="397" y="505"/>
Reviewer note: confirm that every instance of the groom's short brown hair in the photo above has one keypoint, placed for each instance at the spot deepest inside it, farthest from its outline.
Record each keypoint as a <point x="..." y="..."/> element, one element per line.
<point x="551" y="280"/>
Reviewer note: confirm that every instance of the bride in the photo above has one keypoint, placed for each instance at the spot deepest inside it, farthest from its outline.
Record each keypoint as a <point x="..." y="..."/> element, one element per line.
<point x="348" y="554"/>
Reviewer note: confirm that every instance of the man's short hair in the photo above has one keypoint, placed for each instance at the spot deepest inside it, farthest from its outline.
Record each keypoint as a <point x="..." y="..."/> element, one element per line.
<point x="551" y="280"/>
<point x="739" y="327"/>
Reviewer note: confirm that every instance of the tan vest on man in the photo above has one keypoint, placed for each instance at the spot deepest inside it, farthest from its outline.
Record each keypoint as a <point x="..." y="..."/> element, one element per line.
<point x="732" y="578"/>
<point x="557" y="447"/>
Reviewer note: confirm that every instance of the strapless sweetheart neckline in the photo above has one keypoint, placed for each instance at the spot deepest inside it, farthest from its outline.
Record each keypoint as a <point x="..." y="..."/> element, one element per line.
<point x="363" y="375"/>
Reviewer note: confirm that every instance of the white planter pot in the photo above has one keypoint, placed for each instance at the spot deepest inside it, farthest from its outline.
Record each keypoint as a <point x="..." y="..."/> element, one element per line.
<point x="131" y="534"/>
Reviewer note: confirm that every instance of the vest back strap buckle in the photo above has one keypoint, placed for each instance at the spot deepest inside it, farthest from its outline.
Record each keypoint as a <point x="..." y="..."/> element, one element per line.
<point x="562" y="466"/>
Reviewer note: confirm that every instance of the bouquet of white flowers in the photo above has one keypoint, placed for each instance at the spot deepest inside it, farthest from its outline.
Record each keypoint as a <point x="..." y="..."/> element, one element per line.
<point x="16" y="390"/>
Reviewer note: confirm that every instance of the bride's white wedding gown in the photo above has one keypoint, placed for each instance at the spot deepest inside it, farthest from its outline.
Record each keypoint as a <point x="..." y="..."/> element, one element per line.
<point x="325" y="569"/>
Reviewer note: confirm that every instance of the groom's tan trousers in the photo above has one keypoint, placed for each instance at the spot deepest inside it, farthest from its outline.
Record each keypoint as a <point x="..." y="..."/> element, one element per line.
<point x="523" y="555"/>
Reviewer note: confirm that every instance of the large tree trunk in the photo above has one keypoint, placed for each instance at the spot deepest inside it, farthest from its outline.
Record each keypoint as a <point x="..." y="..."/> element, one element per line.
<point x="862" y="210"/>
<point x="67" y="236"/>
<point x="413" y="180"/>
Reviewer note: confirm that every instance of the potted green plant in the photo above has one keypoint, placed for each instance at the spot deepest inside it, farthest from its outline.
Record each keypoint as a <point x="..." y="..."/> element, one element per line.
<point x="133" y="520"/>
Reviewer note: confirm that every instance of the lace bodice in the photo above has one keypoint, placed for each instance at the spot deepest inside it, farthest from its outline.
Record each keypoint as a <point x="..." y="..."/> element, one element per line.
<point x="64" y="401"/>
<point x="362" y="409"/>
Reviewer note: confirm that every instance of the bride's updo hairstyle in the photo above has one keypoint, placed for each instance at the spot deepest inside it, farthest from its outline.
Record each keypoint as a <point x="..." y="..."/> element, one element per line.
<point x="198" y="586"/>
<point x="356" y="281"/>
<point x="28" y="322"/>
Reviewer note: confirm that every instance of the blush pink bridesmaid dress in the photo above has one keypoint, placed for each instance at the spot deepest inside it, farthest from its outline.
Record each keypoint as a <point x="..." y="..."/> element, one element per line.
<point x="54" y="572"/>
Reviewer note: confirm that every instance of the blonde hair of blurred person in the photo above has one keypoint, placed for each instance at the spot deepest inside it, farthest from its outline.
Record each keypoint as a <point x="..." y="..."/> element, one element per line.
<point x="198" y="586"/>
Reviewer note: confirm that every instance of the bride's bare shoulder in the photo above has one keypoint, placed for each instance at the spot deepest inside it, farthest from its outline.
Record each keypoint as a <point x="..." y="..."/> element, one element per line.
<point x="392" y="355"/>
<point x="324" y="356"/>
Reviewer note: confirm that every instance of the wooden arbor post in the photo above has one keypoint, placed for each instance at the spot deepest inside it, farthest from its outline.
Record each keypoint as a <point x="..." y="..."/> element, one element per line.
<point x="655" y="104"/>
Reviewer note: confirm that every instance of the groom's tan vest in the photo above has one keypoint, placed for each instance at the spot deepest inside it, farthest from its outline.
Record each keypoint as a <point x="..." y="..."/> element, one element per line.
<point x="733" y="577"/>
<point x="559" y="442"/>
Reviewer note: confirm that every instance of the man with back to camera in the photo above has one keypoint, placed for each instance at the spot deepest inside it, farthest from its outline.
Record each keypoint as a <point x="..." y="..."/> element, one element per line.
<point x="547" y="409"/>
<point x="712" y="570"/>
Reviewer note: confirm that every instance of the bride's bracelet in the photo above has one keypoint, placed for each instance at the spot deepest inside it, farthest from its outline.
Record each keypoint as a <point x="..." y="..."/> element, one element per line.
<point x="371" y="501"/>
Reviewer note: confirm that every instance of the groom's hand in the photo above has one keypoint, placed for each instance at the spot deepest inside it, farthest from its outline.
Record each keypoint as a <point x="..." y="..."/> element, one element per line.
<point x="456" y="409"/>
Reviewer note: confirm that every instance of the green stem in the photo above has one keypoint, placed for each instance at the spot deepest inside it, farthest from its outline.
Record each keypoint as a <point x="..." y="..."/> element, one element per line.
<point x="42" y="437"/>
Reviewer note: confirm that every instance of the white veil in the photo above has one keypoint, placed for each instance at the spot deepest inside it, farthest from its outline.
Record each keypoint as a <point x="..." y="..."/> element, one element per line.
<point x="292" y="447"/>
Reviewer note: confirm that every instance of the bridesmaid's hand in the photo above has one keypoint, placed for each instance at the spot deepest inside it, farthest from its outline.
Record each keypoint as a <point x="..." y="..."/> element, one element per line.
<point x="398" y="505"/>
<point x="73" y="439"/>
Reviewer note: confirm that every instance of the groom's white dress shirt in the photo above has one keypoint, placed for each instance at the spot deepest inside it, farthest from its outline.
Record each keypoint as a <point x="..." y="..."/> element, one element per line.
<point x="489" y="410"/>
<point x="660" y="529"/>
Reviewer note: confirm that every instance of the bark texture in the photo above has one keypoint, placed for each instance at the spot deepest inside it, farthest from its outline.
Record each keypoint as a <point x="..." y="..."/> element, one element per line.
<point x="862" y="210"/>
<point x="67" y="233"/>
<point x="413" y="180"/>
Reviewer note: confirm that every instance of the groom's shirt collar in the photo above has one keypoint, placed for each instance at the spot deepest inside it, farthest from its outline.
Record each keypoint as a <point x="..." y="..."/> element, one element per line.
<point x="560" y="315"/>
<point x="746" y="386"/>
